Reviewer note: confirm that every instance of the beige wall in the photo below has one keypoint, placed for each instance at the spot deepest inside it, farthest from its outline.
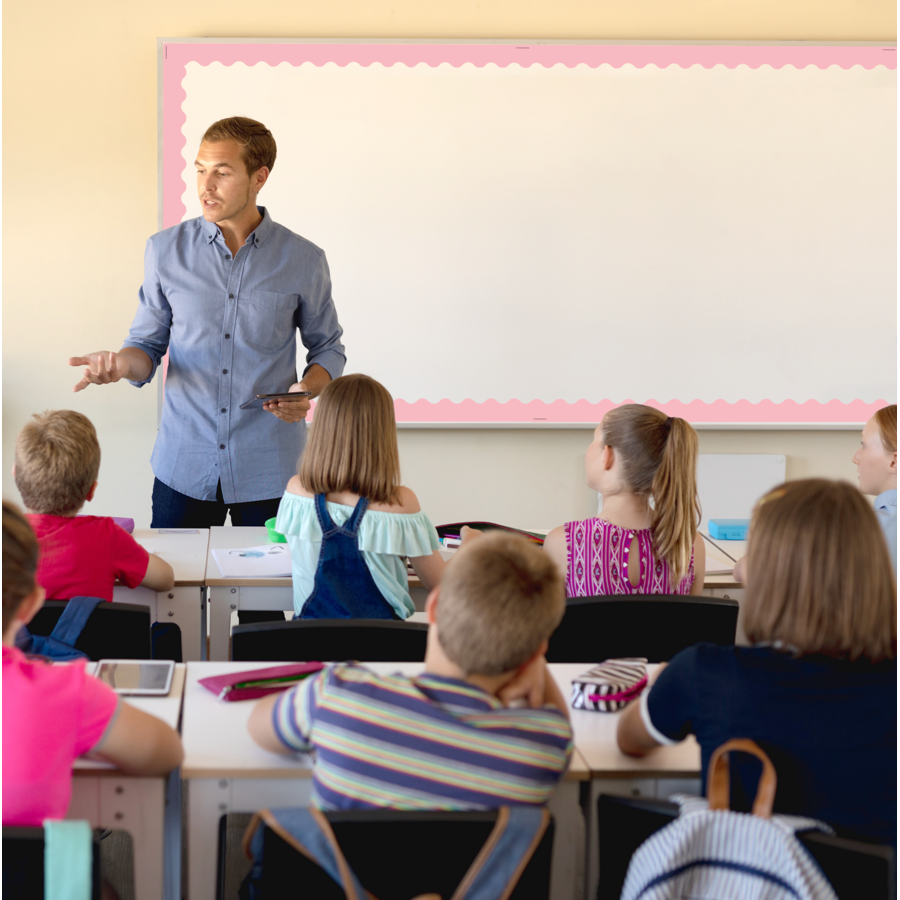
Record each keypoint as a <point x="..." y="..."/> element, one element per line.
<point x="79" y="200"/>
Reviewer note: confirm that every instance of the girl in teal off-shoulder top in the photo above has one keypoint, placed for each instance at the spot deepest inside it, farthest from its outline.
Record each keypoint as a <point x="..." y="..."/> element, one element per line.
<point x="352" y="454"/>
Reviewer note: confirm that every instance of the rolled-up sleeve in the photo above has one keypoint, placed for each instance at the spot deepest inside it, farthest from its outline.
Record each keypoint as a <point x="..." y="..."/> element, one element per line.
<point x="150" y="328"/>
<point x="320" y="330"/>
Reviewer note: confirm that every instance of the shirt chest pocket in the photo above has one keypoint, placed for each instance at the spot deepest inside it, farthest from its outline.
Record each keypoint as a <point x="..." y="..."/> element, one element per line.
<point x="266" y="321"/>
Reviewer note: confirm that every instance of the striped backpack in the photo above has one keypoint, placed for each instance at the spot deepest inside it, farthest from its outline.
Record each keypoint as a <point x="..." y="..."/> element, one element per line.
<point x="712" y="853"/>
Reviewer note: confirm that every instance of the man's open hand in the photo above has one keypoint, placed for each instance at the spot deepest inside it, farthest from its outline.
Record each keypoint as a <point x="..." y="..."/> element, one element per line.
<point x="102" y="367"/>
<point x="290" y="410"/>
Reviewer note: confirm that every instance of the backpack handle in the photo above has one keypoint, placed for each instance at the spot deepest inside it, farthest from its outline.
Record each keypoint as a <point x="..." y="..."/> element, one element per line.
<point x="718" y="778"/>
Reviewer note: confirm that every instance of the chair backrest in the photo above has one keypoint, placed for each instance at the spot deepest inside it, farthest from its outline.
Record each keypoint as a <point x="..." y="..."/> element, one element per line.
<point x="328" y="640"/>
<point x="397" y="855"/>
<point x="23" y="864"/>
<point x="854" y="868"/>
<point x="656" y="626"/>
<point x="114" y="630"/>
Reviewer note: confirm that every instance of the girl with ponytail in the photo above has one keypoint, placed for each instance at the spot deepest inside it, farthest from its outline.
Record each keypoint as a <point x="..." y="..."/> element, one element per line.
<point x="645" y="541"/>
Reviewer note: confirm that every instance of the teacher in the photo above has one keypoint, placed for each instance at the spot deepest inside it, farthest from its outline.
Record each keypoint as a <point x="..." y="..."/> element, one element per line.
<point x="225" y="294"/>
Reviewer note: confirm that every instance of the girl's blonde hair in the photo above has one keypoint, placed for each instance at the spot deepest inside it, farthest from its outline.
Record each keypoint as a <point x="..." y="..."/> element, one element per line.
<point x="658" y="457"/>
<point x="353" y="442"/>
<point x="819" y="576"/>
<point x="886" y="420"/>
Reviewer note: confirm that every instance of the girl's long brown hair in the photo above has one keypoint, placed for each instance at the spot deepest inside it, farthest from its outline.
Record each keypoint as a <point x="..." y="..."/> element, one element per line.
<point x="353" y="442"/>
<point x="658" y="456"/>
<point x="886" y="420"/>
<point x="819" y="576"/>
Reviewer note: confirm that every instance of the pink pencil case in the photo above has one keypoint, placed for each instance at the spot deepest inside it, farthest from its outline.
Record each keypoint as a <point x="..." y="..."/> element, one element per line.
<point x="259" y="682"/>
<point x="610" y="686"/>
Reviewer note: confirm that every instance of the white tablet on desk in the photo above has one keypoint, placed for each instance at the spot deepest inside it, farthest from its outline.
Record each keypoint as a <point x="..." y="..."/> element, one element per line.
<point x="137" y="677"/>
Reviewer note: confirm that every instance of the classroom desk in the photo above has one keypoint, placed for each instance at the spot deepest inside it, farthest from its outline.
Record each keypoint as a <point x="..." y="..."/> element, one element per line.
<point x="665" y="771"/>
<point x="148" y="808"/>
<point x="226" y="772"/>
<point x="185" y="605"/>
<point x="228" y="595"/>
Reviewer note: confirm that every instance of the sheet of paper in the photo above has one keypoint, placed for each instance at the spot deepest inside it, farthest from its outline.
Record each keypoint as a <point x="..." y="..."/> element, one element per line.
<point x="265" y="561"/>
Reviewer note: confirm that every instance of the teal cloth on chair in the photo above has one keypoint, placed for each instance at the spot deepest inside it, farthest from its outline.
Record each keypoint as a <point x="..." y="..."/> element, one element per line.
<point x="68" y="860"/>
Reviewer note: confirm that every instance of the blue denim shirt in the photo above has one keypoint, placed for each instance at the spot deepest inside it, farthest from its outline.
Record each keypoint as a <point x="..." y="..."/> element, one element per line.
<point x="229" y="326"/>
<point x="886" y="510"/>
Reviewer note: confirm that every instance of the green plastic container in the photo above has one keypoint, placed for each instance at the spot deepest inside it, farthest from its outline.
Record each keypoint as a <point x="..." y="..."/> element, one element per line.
<point x="274" y="536"/>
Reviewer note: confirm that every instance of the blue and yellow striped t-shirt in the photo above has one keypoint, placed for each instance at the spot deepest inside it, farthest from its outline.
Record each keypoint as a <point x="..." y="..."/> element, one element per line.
<point x="428" y="742"/>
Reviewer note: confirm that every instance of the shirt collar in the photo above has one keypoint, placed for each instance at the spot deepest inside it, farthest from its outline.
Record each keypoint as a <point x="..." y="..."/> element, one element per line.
<point x="886" y="499"/>
<point x="263" y="230"/>
<point x="445" y="681"/>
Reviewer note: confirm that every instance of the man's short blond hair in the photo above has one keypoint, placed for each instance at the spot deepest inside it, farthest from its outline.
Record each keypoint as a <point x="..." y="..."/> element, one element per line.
<point x="500" y="598"/>
<point x="57" y="461"/>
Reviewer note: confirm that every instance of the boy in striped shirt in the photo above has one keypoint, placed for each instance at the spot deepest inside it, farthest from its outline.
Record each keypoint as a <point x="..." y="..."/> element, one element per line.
<point x="484" y="726"/>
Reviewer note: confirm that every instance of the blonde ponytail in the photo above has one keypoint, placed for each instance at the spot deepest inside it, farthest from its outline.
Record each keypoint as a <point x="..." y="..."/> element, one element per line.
<point x="659" y="459"/>
<point x="676" y="506"/>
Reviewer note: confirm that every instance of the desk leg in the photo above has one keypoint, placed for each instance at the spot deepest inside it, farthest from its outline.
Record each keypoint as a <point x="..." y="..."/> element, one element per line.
<point x="211" y="798"/>
<point x="567" y="871"/>
<point x="222" y="602"/>
<point x="136" y="805"/>
<point x="185" y="608"/>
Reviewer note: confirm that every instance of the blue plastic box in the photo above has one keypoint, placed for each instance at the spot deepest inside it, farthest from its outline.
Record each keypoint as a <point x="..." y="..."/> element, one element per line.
<point x="729" y="529"/>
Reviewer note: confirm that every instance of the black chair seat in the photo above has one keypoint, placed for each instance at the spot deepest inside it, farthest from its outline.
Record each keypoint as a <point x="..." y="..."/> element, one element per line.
<point x="397" y="855"/>
<point x="23" y="864"/>
<point x="655" y="626"/>
<point x="855" y="869"/>
<point x="327" y="640"/>
<point x="114" y="630"/>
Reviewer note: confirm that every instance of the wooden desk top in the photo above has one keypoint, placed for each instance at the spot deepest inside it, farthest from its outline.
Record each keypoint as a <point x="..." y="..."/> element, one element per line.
<point x="217" y="745"/>
<point x="185" y="552"/>
<point x="233" y="537"/>
<point x="167" y="708"/>
<point x="595" y="738"/>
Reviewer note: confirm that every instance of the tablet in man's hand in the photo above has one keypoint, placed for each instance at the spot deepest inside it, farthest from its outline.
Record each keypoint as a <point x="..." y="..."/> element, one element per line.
<point x="259" y="399"/>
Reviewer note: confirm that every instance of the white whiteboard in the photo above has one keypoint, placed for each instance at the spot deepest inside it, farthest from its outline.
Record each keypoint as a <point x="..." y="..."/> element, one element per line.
<point x="546" y="241"/>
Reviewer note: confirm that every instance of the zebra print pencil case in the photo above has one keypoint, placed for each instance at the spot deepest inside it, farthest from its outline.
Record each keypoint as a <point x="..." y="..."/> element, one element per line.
<point x="611" y="685"/>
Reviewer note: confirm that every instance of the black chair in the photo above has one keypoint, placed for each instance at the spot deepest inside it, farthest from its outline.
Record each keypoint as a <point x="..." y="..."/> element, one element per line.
<point x="655" y="626"/>
<point x="437" y="850"/>
<point x="326" y="640"/>
<point x="23" y="864"/>
<point x="114" y="630"/>
<point x="854" y="868"/>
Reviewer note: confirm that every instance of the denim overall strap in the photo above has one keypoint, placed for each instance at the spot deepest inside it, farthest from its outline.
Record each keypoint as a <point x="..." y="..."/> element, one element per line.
<point x="71" y="623"/>
<point x="344" y="587"/>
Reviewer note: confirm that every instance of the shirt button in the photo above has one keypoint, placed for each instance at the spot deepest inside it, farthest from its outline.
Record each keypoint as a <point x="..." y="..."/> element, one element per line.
<point x="224" y="371"/>
<point x="231" y="296"/>
<point x="224" y="409"/>
<point x="227" y="336"/>
<point x="221" y="446"/>
<point x="227" y="257"/>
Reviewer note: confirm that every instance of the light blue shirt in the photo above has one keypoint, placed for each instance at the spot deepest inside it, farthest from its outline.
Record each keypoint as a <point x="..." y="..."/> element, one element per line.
<point x="886" y="510"/>
<point x="230" y="328"/>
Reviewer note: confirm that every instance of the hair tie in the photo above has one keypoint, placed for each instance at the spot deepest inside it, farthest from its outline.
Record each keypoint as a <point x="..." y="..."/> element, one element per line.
<point x="668" y="424"/>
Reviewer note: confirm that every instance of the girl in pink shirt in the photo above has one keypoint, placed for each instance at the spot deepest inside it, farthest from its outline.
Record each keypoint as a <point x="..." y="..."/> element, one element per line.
<point x="645" y="540"/>
<point x="55" y="713"/>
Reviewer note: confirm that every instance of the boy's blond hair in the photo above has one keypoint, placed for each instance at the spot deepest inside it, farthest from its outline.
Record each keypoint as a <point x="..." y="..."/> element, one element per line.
<point x="57" y="461"/>
<point x="819" y="577"/>
<point x="500" y="598"/>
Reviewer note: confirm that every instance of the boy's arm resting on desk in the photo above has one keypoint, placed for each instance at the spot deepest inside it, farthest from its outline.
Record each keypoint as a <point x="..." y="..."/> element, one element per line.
<point x="281" y="723"/>
<point x="139" y="744"/>
<point x="160" y="575"/>
<point x="261" y="726"/>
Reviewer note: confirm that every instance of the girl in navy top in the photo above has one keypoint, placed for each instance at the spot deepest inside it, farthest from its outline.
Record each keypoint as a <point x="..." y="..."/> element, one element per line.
<point x="817" y="689"/>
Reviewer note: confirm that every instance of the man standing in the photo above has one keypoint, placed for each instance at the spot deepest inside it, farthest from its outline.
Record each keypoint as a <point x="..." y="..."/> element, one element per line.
<point x="225" y="294"/>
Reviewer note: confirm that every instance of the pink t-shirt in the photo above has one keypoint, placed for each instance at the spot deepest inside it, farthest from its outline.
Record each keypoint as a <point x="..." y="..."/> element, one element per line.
<point x="82" y="556"/>
<point x="51" y="715"/>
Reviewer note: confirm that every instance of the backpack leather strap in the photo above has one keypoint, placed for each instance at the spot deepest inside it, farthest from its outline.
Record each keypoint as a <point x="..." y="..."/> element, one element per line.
<point x="718" y="778"/>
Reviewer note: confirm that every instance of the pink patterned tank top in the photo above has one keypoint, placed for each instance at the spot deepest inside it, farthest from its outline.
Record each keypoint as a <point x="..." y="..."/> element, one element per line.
<point x="597" y="562"/>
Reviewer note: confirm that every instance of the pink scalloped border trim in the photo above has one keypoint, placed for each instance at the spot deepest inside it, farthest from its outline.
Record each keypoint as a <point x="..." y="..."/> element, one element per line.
<point x="720" y="412"/>
<point x="177" y="56"/>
